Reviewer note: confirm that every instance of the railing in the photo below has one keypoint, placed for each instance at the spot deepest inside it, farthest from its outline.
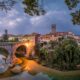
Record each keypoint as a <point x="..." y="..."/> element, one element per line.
<point x="11" y="42"/>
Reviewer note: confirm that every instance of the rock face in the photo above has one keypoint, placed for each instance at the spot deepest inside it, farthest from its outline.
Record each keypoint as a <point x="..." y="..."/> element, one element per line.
<point x="17" y="69"/>
<point x="1" y="69"/>
<point x="3" y="65"/>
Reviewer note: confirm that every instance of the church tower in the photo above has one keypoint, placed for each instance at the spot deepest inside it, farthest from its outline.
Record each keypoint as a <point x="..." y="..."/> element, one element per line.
<point x="53" y="28"/>
<point x="5" y="35"/>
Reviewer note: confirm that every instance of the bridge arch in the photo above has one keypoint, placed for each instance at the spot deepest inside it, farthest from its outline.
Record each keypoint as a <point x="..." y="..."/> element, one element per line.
<point x="4" y="51"/>
<point x="21" y="51"/>
<point x="17" y="47"/>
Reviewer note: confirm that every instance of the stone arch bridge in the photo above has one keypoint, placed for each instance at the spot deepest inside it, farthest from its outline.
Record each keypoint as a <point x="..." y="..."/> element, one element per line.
<point x="12" y="46"/>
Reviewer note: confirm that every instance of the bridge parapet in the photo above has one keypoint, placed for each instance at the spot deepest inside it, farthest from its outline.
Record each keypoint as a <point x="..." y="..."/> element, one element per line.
<point x="11" y="43"/>
<point x="12" y="46"/>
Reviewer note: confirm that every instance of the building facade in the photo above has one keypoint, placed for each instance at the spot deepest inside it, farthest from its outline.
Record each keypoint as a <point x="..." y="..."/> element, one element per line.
<point x="35" y="37"/>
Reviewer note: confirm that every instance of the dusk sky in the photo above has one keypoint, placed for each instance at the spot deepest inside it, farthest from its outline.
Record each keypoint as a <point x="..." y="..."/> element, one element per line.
<point x="18" y="22"/>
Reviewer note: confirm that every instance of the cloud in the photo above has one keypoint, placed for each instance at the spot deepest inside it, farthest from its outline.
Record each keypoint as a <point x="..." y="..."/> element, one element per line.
<point x="10" y="20"/>
<point x="18" y="19"/>
<point x="21" y="24"/>
<point x="8" y="23"/>
<point x="12" y="13"/>
<point x="59" y="15"/>
<point x="17" y="22"/>
<point x="43" y="23"/>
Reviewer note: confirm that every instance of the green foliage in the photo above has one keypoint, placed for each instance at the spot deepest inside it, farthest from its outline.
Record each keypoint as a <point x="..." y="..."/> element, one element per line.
<point x="76" y="17"/>
<point x="72" y="3"/>
<point x="63" y="54"/>
<point x="76" y="14"/>
<point x="44" y="54"/>
<point x="7" y="4"/>
<point x="53" y="43"/>
<point x="32" y="7"/>
<point x="5" y="37"/>
<point x="67" y="54"/>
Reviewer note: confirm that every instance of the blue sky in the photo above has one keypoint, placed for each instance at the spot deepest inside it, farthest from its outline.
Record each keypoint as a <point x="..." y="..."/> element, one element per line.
<point x="17" y="22"/>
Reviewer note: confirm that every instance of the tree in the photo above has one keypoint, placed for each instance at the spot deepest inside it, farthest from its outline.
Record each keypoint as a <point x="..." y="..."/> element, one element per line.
<point x="33" y="8"/>
<point x="7" y="4"/>
<point x="72" y="4"/>
<point x="67" y="54"/>
<point x="53" y="43"/>
<point x="45" y="52"/>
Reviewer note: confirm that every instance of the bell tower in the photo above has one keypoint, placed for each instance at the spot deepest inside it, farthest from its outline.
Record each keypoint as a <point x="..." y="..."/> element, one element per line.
<point x="5" y="35"/>
<point x="53" y="28"/>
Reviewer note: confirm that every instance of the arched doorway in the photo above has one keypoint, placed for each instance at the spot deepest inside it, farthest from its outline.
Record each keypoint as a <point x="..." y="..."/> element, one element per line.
<point x="21" y="51"/>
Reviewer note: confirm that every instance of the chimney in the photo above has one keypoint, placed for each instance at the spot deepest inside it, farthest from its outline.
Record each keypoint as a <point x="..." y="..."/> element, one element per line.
<point x="53" y="28"/>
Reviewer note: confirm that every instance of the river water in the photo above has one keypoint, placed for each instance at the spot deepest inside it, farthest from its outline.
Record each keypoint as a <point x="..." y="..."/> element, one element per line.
<point x="22" y="76"/>
<point x="26" y="76"/>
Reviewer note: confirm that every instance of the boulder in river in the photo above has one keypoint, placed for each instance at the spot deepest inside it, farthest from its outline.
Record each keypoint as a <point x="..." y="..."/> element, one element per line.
<point x="17" y="69"/>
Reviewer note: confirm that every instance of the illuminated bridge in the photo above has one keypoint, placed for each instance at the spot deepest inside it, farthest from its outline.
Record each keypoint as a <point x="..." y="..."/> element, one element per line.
<point x="12" y="47"/>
